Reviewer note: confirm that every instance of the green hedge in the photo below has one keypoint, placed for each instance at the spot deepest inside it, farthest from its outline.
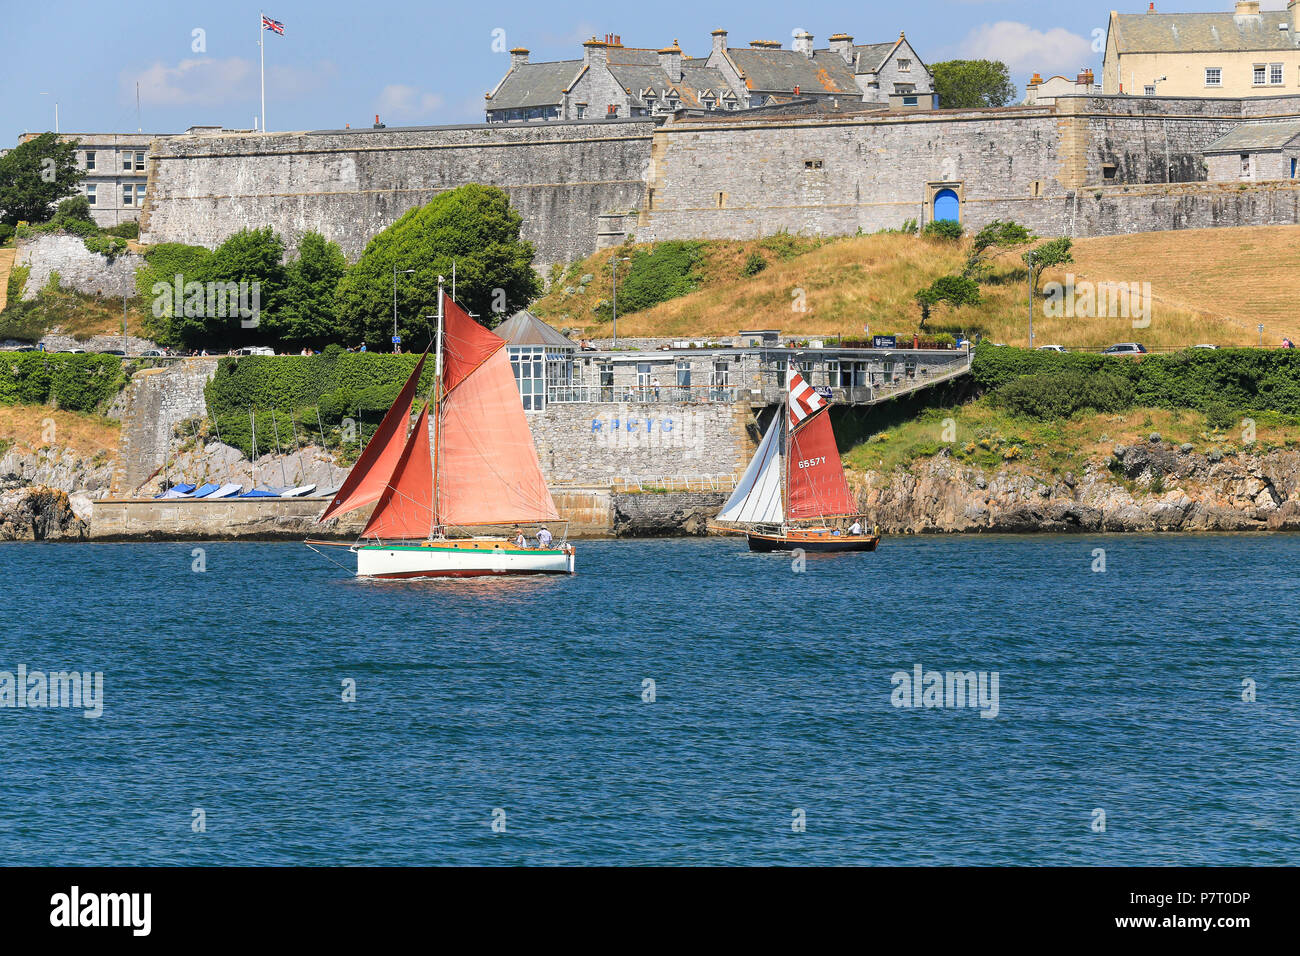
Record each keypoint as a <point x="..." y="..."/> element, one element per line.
<point x="1249" y="379"/>
<point x="81" y="383"/>
<point x="334" y="385"/>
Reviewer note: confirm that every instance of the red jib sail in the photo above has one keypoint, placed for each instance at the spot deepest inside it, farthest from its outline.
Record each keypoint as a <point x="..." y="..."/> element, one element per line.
<point x="816" y="485"/>
<point x="465" y="345"/>
<point x="369" y="476"/>
<point x="488" y="471"/>
<point x="405" y="509"/>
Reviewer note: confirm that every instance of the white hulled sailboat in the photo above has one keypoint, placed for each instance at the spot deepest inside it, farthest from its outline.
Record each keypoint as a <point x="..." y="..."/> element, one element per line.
<point x="480" y="469"/>
<point x="794" y="494"/>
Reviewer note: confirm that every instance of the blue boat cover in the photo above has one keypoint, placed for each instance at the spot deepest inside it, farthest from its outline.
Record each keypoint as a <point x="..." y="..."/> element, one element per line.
<point x="205" y="490"/>
<point x="258" y="493"/>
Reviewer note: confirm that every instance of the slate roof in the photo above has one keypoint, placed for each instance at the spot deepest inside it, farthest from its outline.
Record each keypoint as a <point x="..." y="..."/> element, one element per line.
<point x="773" y="69"/>
<point x="535" y="84"/>
<point x="1251" y="136"/>
<point x="1202" y="32"/>
<point x="524" y="328"/>
<point x="868" y="57"/>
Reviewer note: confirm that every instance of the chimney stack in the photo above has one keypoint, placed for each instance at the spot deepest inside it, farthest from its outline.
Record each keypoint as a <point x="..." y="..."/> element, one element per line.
<point x="842" y="44"/>
<point x="719" y="43"/>
<point x="595" y="51"/>
<point x="670" y="61"/>
<point x="518" y="57"/>
<point x="1151" y="8"/>
<point x="1247" y="8"/>
<point x="803" y="43"/>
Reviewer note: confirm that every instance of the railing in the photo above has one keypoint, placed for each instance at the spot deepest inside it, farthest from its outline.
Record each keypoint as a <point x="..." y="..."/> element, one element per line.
<point x="674" y="483"/>
<point x="573" y="394"/>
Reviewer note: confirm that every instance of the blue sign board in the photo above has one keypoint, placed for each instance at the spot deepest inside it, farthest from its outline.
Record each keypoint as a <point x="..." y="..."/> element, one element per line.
<point x="884" y="341"/>
<point x="397" y="340"/>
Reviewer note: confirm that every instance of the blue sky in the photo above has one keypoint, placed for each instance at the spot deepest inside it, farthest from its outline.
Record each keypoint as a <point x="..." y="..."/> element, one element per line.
<point x="415" y="63"/>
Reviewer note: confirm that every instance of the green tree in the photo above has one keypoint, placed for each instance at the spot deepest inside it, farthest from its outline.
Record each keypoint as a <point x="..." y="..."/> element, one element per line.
<point x="34" y="176"/>
<point x="953" y="290"/>
<point x="996" y="236"/>
<point x="309" y="314"/>
<point x="1054" y="252"/>
<point x="472" y="225"/>
<point x="971" y="84"/>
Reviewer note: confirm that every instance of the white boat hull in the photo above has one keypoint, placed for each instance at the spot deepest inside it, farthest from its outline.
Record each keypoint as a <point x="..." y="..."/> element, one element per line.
<point x="459" y="560"/>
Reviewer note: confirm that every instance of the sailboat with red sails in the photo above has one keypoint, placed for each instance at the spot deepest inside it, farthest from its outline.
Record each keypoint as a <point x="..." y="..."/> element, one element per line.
<point x="794" y="493"/>
<point x="478" y="470"/>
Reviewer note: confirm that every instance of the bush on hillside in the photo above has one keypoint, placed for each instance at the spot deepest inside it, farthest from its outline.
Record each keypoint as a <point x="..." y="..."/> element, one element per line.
<point x="665" y="271"/>
<point x="80" y="383"/>
<point x="1047" y="396"/>
<point x="947" y="229"/>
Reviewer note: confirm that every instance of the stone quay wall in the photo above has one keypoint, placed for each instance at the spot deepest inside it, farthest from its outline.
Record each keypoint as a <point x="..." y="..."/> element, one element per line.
<point x="149" y="407"/>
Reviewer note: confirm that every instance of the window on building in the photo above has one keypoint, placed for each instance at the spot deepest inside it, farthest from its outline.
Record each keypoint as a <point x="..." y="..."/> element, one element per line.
<point x="684" y="371"/>
<point x="1245" y="165"/>
<point x="529" y="366"/>
<point x="904" y="66"/>
<point x="127" y="194"/>
<point x="90" y="193"/>
<point x="1213" y="76"/>
<point x="812" y="164"/>
<point x="582" y="110"/>
<point x="612" y="109"/>
<point x="1259" y="74"/>
<point x="139" y="161"/>
<point x="128" y="162"/>
<point x="90" y="159"/>
<point x="909" y="100"/>
<point x="1275" y="74"/>
<point x="1108" y="171"/>
<point x="1149" y="91"/>
<point x="720" y="378"/>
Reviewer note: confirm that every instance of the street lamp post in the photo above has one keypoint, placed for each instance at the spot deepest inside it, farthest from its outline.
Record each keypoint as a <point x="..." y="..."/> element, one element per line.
<point x="1029" y="258"/>
<point x="613" y="263"/>
<point x="404" y="272"/>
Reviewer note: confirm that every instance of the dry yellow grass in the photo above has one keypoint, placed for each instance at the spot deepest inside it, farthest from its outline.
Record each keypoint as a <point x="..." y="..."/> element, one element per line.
<point x="33" y="427"/>
<point x="1209" y="285"/>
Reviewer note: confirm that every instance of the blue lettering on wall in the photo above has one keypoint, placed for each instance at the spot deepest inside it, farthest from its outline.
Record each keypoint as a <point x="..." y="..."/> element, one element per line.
<point x="595" y="424"/>
<point x="667" y="425"/>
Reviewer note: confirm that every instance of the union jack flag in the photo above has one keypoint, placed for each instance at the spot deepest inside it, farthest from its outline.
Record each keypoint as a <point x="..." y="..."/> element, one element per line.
<point x="275" y="26"/>
<point x="804" y="399"/>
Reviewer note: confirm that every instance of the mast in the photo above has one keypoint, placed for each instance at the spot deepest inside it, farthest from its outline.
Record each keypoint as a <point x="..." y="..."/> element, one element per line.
<point x="437" y="417"/>
<point x="785" y="463"/>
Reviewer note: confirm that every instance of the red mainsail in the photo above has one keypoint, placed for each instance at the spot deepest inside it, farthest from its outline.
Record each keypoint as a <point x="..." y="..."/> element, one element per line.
<point x="488" y="472"/>
<point x="465" y="345"/>
<point x="369" y="476"/>
<point x="405" y="509"/>
<point x="816" y="485"/>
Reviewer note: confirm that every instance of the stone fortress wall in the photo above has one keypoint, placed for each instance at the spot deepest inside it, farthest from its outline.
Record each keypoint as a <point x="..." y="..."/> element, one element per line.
<point x="1088" y="165"/>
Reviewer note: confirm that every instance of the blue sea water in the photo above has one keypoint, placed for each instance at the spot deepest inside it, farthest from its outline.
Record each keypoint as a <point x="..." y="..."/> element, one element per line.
<point x="523" y="701"/>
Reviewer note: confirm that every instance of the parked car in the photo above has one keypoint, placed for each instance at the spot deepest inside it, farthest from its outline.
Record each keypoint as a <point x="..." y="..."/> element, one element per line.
<point x="1205" y="346"/>
<point x="255" y="350"/>
<point x="70" y="351"/>
<point x="1126" y="348"/>
<point x="153" y="353"/>
<point x="111" y="352"/>
<point x="1050" y="348"/>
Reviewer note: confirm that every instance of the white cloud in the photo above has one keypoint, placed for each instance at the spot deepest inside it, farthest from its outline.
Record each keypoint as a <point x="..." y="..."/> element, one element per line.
<point x="1021" y="47"/>
<point x="406" y="103"/>
<point x="214" y="81"/>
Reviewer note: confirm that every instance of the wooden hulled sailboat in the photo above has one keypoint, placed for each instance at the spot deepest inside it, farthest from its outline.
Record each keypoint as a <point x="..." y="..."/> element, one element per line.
<point x="794" y="494"/>
<point x="479" y="470"/>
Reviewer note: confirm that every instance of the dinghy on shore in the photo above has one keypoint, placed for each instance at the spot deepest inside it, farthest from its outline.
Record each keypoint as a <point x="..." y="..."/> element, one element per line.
<point x="301" y="491"/>
<point x="204" y="491"/>
<point x="229" y="490"/>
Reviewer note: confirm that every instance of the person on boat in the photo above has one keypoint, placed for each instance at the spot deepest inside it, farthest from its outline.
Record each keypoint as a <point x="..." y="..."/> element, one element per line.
<point x="543" y="538"/>
<point x="856" y="527"/>
<point x="520" y="541"/>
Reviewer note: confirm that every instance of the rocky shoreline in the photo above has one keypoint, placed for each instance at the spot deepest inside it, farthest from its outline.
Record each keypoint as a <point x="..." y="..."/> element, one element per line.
<point x="1151" y="487"/>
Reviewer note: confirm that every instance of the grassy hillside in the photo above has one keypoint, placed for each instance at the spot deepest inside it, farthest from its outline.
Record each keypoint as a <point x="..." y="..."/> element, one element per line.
<point x="1210" y="285"/>
<point x="32" y="427"/>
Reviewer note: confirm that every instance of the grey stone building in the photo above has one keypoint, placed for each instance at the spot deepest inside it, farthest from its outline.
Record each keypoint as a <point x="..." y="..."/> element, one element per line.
<point x="612" y="81"/>
<point x="115" y="184"/>
<point x="1255" y="151"/>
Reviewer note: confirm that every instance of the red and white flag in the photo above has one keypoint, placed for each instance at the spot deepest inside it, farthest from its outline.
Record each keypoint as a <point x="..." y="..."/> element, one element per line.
<point x="803" y="398"/>
<point x="275" y="26"/>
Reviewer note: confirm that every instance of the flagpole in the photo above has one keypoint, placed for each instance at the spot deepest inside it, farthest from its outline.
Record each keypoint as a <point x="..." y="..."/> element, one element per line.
<point x="261" y="46"/>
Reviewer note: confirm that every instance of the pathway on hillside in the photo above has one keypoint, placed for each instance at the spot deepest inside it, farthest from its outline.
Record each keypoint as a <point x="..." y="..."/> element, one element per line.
<point x="6" y="265"/>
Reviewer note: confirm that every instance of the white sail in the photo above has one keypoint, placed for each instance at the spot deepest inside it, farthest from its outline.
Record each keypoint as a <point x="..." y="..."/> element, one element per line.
<point x="757" y="499"/>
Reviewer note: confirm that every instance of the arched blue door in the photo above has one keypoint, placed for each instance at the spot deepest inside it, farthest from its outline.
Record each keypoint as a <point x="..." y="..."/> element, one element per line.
<point x="946" y="206"/>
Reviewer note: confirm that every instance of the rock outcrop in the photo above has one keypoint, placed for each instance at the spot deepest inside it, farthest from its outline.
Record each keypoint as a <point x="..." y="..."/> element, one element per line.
<point x="41" y="513"/>
<point x="1150" y="487"/>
